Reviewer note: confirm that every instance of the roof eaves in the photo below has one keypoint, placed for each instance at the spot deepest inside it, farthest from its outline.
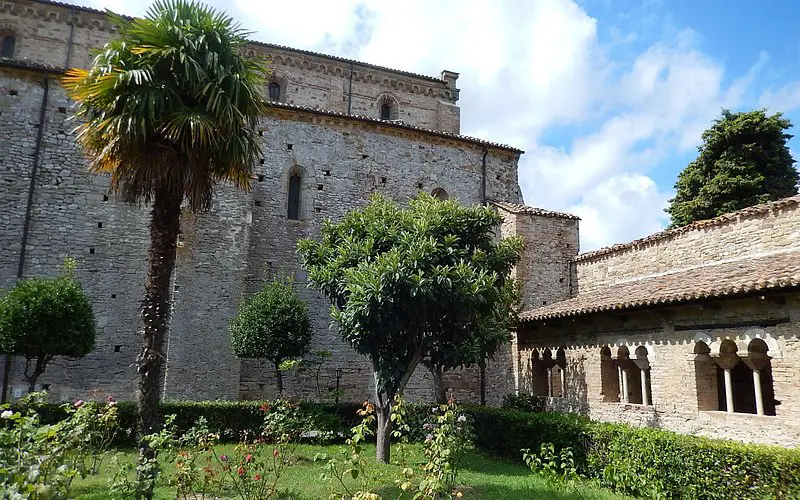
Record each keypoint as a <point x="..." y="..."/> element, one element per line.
<point x="30" y="65"/>
<point x="395" y="124"/>
<point x="525" y="209"/>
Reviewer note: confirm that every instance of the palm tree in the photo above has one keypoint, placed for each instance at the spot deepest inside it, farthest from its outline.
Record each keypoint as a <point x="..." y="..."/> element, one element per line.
<point x="168" y="109"/>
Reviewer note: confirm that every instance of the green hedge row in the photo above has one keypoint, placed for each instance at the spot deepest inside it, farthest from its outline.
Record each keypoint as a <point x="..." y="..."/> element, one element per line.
<point x="641" y="462"/>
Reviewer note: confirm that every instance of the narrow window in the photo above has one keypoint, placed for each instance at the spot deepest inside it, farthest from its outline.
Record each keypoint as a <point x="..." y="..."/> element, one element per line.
<point x="274" y="91"/>
<point x="7" y="48"/>
<point x="294" y="197"/>
<point x="386" y="111"/>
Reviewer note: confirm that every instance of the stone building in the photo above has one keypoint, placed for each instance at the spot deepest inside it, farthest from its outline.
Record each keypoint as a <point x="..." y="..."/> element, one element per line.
<point x="337" y="131"/>
<point x="694" y="330"/>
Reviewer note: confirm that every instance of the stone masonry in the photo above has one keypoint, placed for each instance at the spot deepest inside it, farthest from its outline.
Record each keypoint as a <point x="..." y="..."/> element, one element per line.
<point x="324" y="127"/>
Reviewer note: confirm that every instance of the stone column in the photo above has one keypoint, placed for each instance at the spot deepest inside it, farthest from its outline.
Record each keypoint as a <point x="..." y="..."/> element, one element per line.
<point x="645" y="399"/>
<point x="757" y="387"/>
<point x="727" y="361"/>
<point x="549" y="382"/>
<point x="619" y="382"/>
<point x="563" y="382"/>
<point x="625" y="385"/>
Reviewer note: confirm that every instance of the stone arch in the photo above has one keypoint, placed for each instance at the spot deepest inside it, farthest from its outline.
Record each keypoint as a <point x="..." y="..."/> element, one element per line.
<point x="282" y="82"/>
<point x="538" y="374"/>
<point x="294" y="193"/>
<point x="705" y="375"/>
<point x="773" y="347"/>
<point x="388" y="106"/>
<point x="609" y="376"/>
<point x="9" y="40"/>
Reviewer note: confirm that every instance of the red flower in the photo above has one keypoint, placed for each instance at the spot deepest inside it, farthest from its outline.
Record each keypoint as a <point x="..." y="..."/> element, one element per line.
<point x="248" y="458"/>
<point x="265" y="407"/>
<point x="241" y="471"/>
<point x="257" y="477"/>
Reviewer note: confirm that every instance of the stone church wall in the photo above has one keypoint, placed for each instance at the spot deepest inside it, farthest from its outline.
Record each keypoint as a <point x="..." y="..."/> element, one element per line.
<point x="65" y="36"/>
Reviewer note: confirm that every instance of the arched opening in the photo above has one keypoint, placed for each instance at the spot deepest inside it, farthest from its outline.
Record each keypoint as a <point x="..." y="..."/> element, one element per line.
<point x="559" y="374"/>
<point x="609" y="377"/>
<point x="274" y="91"/>
<point x="293" y="209"/>
<point x="641" y="387"/>
<point x="538" y="375"/>
<point x="386" y="111"/>
<point x="7" y="46"/>
<point x="440" y="194"/>
<point x="705" y="377"/>
<point x="763" y="391"/>
<point x="744" y="379"/>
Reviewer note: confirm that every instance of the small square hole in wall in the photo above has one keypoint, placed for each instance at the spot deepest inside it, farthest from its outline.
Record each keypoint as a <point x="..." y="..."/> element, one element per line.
<point x="176" y="288"/>
<point x="419" y="185"/>
<point x="13" y="92"/>
<point x="327" y="173"/>
<point x="117" y="348"/>
<point x="45" y="387"/>
<point x="113" y="295"/>
<point x="91" y="250"/>
<point x="561" y="280"/>
<point x="261" y="161"/>
<point x="544" y="302"/>
<point x="260" y="387"/>
<point x="497" y="177"/>
<point x="319" y="187"/>
<point x="105" y="197"/>
<point x="62" y="109"/>
<point x="257" y="203"/>
<point x="260" y="178"/>
<point x="289" y="146"/>
<point x="383" y="180"/>
<point x="261" y="133"/>
<point x="364" y="156"/>
<point x="99" y="225"/>
<point x="317" y="209"/>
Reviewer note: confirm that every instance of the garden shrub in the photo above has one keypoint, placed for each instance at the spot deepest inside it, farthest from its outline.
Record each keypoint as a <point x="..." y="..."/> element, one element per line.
<point x="524" y="402"/>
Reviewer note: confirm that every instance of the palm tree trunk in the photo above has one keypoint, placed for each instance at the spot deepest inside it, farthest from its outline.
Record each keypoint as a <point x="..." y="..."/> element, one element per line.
<point x="165" y="220"/>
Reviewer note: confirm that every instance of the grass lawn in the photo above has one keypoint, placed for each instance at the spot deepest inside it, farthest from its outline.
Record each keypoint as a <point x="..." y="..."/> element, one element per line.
<point x="480" y="477"/>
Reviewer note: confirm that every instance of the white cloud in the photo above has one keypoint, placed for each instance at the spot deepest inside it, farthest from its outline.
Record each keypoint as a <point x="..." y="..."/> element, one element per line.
<point x="531" y="68"/>
<point x="784" y="99"/>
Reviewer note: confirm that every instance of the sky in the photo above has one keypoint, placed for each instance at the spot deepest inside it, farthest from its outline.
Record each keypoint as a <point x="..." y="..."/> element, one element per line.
<point x="608" y="98"/>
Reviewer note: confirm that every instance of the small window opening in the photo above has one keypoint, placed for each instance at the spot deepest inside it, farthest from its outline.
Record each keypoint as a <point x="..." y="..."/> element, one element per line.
<point x="62" y="109"/>
<point x="383" y="180"/>
<point x="260" y="177"/>
<point x="91" y="250"/>
<point x="257" y="203"/>
<point x="117" y="348"/>
<point x="113" y="295"/>
<point x="99" y="225"/>
<point x="320" y="187"/>
<point x="386" y="111"/>
<point x="274" y="91"/>
<point x="317" y="209"/>
<point x="7" y="46"/>
<point x="261" y="161"/>
<point x="293" y="210"/>
<point x="419" y="185"/>
<point x="105" y="197"/>
<point x="289" y="146"/>
<point x="327" y="173"/>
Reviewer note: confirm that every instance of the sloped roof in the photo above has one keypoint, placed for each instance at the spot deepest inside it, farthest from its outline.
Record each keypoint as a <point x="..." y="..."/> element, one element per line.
<point x="34" y="66"/>
<point x="395" y="124"/>
<point x="724" y="279"/>
<point x="763" y="208"/>
<point x="516" y="208"/>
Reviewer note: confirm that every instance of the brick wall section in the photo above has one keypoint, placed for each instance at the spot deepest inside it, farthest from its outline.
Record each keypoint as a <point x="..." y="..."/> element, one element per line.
<point x="43" y="32"/>
<point x="749" y="234"/>
<point x="682" y="390"/>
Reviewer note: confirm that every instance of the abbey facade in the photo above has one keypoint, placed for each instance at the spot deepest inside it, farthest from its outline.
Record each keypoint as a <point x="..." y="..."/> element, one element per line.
<point x="693" y="330"/>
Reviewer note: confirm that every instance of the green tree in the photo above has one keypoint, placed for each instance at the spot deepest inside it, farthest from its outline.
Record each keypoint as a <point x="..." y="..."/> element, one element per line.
<point x="743" y="161"/>
<point x="41" y="318"/>
<point x="406" y="283"/>
<point x="272" y="324"/>
<point x="169" y="108"/>
<point x="480" y="342"/>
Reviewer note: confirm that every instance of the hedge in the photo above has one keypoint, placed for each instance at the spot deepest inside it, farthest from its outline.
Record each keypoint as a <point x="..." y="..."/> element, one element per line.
<point x="641" y="462"/>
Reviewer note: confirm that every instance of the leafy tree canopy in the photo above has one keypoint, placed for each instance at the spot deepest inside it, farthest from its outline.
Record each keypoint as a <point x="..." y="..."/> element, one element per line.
<point x="744" y="160"/>
<point x="45" y="317"/>
<point x="406" y="283"/>
<point x="272" y="324"/>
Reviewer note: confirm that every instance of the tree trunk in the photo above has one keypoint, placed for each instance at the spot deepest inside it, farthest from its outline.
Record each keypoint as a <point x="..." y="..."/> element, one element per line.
<point x="38" y="369"/>
<point x="384" y="431"/>
<point x="438" y="382"/>
<point x="165" y="220"/>
<point x="482" y="364"/>
<point x="279" y="379"/>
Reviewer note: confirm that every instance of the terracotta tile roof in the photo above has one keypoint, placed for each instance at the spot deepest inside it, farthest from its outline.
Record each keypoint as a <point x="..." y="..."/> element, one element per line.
<point x="26" y="64"/>
<point x="516" y="208"/>
<point x="396" y="124"/>
<point x="431" y="79"/>
<point x="764" y="208"/>
<point x="736" y="278"/>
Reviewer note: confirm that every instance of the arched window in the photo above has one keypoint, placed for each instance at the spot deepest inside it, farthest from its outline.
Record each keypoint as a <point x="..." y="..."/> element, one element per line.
<point x="7" y="46"/>
<point x="274" y="91"/>
<point x="559" y="375"/>
<point x="440" y="194"/>
<point x="744" y="381"/>
<point x="538" y="375"/>
<point x="293" y="210"/>
<point x="386" y="111"/>
<point x="705" y="377"/>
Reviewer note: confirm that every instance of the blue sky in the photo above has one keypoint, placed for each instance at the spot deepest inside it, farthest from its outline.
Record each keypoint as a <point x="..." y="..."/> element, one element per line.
<point x="607" y="97"/>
